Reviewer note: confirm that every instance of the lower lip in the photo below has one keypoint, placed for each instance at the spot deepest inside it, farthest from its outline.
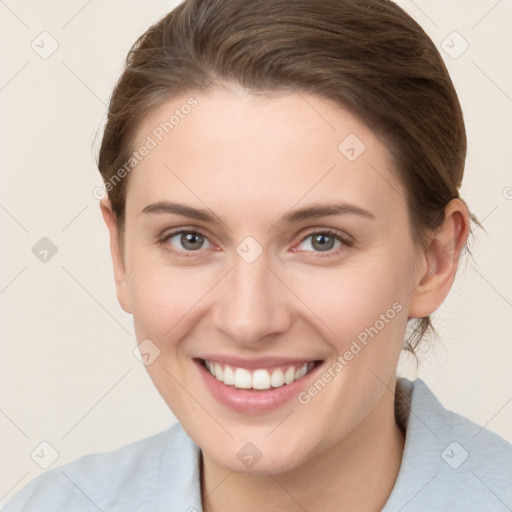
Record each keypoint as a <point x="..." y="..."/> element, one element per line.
<point x="253" y="401"/>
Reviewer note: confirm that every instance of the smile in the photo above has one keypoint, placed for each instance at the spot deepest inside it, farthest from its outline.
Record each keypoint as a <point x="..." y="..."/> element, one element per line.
<point x="261" y="378"/>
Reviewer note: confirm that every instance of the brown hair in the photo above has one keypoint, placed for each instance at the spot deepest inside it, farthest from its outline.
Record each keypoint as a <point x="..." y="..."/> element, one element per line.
<point x="367" y="56"/>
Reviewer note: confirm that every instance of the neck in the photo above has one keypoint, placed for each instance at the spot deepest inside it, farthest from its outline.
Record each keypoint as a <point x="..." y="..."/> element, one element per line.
<point x="358" y="473"/>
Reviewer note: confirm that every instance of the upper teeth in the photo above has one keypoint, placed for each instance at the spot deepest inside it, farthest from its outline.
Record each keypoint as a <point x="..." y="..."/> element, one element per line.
<point x="259" y="379"/>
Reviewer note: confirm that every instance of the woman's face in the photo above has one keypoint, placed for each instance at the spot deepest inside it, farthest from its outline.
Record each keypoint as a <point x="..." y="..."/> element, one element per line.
<point x="302" y="253"/>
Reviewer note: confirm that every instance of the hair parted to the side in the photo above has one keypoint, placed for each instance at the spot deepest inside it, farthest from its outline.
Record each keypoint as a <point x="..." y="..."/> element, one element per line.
<point x="367" y="56"/>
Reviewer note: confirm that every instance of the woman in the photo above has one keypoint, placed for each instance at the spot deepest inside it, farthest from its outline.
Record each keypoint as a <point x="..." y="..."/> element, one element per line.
<point x="283" y="203"/>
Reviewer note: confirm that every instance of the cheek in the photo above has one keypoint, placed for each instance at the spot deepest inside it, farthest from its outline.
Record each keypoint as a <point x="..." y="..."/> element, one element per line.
<point x="359" y="300"/>
<point x="168" y="303"/>
<point x="163" y="298"/>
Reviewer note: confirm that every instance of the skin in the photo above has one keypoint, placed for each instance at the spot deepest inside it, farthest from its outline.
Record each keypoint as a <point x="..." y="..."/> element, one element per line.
<point x="249" y="160"/>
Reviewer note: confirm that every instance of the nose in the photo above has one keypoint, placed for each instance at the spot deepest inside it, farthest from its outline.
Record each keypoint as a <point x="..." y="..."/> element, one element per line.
<point x="252" y="303"/>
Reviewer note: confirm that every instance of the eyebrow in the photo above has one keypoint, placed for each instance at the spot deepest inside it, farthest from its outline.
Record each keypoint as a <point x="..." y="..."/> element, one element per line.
<point x="293" y="216"/>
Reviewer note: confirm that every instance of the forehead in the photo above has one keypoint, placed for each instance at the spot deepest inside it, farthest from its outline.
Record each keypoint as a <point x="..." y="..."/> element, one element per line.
<point x="261" y="151"/>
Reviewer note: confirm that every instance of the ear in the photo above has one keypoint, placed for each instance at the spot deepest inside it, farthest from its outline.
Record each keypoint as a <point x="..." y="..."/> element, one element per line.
<point x="123" y="295"/>
<point x="441" y="259"/>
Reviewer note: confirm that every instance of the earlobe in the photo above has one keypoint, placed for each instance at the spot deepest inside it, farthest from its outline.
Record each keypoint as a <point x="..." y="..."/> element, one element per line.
<point x="442" y="258"/>
<point x="120" y="276"/>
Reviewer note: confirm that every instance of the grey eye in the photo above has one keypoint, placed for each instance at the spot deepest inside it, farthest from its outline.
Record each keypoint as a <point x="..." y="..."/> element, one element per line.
<point x="320" y="242"/>
<point x="188" y="240"/>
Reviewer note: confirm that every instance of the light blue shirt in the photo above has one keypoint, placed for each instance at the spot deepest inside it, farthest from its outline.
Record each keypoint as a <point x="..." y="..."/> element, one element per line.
<point x="449" y="464"/>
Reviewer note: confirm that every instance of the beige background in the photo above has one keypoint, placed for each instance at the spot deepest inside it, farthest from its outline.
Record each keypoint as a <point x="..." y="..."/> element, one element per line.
<point x="67" y="372"/>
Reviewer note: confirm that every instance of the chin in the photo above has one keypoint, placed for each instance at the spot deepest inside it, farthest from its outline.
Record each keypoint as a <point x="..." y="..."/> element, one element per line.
<point x="258" y="457"/>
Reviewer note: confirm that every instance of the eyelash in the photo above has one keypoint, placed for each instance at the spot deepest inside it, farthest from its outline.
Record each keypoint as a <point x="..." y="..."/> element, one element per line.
<point x="345" y="241"/>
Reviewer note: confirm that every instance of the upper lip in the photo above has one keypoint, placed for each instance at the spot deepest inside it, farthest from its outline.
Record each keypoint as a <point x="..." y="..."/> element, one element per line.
<point x="257" y="362"/>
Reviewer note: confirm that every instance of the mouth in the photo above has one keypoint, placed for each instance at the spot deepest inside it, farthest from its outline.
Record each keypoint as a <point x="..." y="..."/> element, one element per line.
<point x="253" y="389"/>
<point x="259" y="379"/>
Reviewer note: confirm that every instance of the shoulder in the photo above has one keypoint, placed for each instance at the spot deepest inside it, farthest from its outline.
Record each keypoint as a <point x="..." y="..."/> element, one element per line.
<point x="124" y="479"/>
<point x="481" y="444"/>
<point x="450" y="462"/>
<point x="483" y="457"/>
